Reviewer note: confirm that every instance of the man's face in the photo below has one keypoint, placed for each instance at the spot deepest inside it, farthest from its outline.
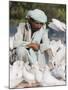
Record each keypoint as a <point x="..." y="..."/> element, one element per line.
<point x="34" y="24"/>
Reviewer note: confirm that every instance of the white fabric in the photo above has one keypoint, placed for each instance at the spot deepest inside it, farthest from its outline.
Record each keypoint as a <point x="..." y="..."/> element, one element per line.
<point x="36" y="38"/>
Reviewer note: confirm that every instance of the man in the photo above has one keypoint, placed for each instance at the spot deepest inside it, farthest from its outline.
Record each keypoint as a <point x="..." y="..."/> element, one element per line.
<point x="31" y="39"/>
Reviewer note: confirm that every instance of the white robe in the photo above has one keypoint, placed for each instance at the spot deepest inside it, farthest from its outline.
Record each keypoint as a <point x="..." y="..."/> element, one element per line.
<point x="23" y="37"/>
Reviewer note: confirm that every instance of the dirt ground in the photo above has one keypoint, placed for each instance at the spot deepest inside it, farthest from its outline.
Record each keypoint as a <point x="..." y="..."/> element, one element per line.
<point x="26" y="85"/>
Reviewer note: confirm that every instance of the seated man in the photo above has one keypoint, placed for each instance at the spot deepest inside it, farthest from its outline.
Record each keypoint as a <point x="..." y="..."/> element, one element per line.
<point x="31" y="39"/>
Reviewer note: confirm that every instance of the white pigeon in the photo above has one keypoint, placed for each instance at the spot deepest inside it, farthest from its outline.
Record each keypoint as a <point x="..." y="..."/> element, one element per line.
<point x="49" y="80"/>
<point x="57" y="25"/>
<point x="59" y="70"/>
<point x="37" y="72"/>
<point x="59" y="73"/>
<point x="60" y="25"/>
<point x="59" y="57"/>
<point x="53" y="26"/>
<point x="54" y="45"/>
<point x="28" y="76"/>
<point x="55" y="52"/>
<point x="16" y="74"/>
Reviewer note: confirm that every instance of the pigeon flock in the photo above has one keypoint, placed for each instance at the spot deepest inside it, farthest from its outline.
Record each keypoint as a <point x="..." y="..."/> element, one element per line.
<point x="52" y="74"/>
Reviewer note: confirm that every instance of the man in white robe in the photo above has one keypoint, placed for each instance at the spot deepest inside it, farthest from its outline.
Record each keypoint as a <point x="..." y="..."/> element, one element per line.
<point x="31" y="39"/>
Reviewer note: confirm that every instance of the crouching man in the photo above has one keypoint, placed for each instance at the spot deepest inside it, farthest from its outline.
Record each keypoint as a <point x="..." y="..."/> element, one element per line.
<point x="31" y="39"/>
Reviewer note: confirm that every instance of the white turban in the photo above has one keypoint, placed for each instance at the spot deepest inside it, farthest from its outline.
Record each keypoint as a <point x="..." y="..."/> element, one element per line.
<point x="37" y="15"/>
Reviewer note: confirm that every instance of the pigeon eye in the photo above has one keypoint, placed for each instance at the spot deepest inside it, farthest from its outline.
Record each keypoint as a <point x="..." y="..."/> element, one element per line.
<point x="54" y="64"/>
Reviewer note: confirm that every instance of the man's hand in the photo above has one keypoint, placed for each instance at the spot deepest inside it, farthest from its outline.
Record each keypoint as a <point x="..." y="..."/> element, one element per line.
<point x="34" y="46"/>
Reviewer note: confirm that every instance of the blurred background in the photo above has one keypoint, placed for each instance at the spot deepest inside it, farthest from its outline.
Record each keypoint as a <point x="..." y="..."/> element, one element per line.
<point x="18" y="11"/>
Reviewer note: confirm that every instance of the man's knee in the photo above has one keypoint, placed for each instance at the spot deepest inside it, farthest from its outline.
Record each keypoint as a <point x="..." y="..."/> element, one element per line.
<point x="21" y="52"/>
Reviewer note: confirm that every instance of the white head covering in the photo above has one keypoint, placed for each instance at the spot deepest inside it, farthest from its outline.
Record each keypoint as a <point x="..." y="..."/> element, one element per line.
<point x="37" y="15"/>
